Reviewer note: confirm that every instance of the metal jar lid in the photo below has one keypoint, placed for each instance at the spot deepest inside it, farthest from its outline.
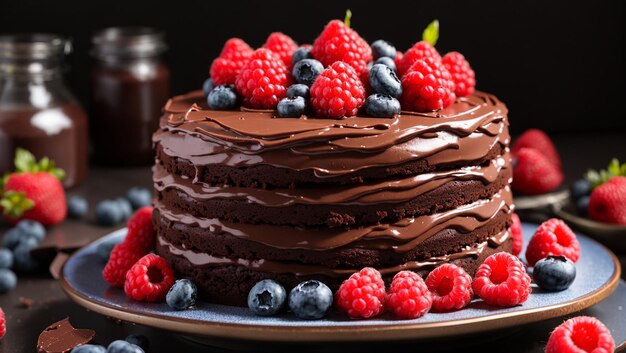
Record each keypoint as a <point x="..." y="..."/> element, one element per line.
<point x="36" y="46"/>
<point x="131" y="42"/>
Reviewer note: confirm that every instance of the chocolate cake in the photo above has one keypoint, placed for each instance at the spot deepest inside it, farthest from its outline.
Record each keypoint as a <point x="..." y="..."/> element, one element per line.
<point x="243" y="195"/>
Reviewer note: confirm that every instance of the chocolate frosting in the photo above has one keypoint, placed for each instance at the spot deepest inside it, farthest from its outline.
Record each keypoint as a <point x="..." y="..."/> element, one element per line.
<point x="465" y="131"/>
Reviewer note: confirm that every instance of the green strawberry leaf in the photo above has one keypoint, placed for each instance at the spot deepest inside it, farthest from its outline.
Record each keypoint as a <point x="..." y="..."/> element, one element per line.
<point x="348" y="17"/>
<point x="597" y="178"/>
<point x="15" y="203"/>
<point x="431" y="33"/>
<point x="25" y="162"/>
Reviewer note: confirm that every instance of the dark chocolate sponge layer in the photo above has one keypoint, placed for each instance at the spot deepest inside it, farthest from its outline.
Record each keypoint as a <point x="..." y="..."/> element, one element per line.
<point x="202" y="240"/>
<point x="230" y="285"/>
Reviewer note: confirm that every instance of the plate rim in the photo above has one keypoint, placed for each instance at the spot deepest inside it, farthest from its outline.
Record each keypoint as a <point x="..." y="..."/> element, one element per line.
<point x="377" y="332"/>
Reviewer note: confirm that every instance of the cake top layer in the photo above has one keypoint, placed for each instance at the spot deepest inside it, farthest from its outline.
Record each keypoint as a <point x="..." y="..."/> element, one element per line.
<point x="465" y="131"/>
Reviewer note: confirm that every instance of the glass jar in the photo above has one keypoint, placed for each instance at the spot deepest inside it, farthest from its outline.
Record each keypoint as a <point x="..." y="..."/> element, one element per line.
<point x="37" y="111"/>
<point x="129" y="87"/>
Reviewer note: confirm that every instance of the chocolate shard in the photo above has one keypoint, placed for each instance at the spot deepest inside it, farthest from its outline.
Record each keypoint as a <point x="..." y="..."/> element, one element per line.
<point x="61" y="337"/>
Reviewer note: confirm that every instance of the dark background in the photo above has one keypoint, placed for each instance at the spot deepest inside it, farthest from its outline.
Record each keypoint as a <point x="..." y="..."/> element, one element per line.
<point x="558" y="65"/>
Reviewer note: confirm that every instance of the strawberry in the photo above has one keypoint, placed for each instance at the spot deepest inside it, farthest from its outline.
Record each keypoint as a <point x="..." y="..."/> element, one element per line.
<point x="534" y="174"/>
<point x="607" y="202"/>
<point x="34" y="191"/>
<point x="537" y="139"/>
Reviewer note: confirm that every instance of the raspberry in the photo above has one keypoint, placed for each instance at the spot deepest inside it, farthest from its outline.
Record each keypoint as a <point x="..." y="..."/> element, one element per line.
<point x="282" y="45"/>
<point x="235" y="54"/>
<point x="3" y="327"/>
<point x="409" y="297"/>
<point x="398" y="60"/>
<point x="263" y="81"/>
<point x="579" y="335"/>
<point x="533" y="173"/>
<point x="502" y="280"/>
<point x="141" y="234"/>
<point x="518" y="236"/>
<point x="337" y="91"/>
<point x="553" y="237"/>
<point x="362" y="295"/>
<point x="462" y="74"/>
<point x="149" y="279"/>
<point x="607" y="202"/>
<point x="337" y="42"/>
<point x="450" y="286"/>
<point x="122" y="258"/>
<point x="427" y="86"/>
<point x="537" y="139"/>
<point x="420" y="51"/>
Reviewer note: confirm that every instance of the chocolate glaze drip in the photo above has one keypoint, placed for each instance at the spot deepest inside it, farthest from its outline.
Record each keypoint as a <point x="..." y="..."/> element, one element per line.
<point x="465" y="131"/>
<point x="387" y="191"/>
<point x="298" y="269"/>
<point x="401" y="236"/>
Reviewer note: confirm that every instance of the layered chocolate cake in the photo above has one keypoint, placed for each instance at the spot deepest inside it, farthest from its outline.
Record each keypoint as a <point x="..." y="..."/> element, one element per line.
<point x="243" y="195"/>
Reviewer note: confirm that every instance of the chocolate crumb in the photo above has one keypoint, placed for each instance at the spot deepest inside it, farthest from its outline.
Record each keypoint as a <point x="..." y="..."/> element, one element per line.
<point x="61" y="337"/>
<point x="26" y="303"/>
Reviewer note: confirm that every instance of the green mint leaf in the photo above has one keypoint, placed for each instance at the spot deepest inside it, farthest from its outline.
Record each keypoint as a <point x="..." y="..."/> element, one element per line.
<point x="348" y="17"/>
<point x="431" y="33"/>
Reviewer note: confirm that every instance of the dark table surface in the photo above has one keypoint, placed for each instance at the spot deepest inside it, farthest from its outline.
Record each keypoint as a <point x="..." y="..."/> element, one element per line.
<point x="50" y="304"/>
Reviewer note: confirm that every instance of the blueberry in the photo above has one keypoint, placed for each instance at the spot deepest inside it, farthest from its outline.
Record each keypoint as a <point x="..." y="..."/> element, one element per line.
<point x="291" y="107"/>
<point x="382" y="106"/>
<point x="182" y="295"/>
<point x="125" y="207"/>
<point x="382" y="48"/>
<point x="12" y="238"/>
<point x="385" y="81"/>
<point x="8" y="280"/>
<point x="108" y="213"/>
<point x="207" y="86"/>
<point x="306" y="71"/>
<point x="120" y="346"/>
<point x="6" y="258"/>
<point x="298" y="90"/>
<point x="103" y="250"/>
<point x="579" y="189"/>
<point x="139" y="340"/>
<point x="89" y="348"/>
<point x="299" y="54"/>
<point x="139" y="197"/>
<point x="310" y="300"/>
<point x="32" y="229"/>
<point x="77" y="207"/>
<point x="266" y="298"/>
<point x="387" y="62"/>
<point x="222" y="98"/>
<point x="582" y="205"/>
<point x="23" y="261"/>
<point x="554" y="273"/>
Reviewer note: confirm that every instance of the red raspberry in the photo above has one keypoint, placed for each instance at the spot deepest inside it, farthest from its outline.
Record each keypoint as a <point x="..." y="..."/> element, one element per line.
<point x="450" y="287"/>
<point x="420" y="51"/>
<point x="538" y="140"/>
<point x="427" y="86"/>
<point x="364" y="76"/>
<point x="235" y="54"/>
<point x="409" y="297"/>
<point x="141" y="235"/>
<point x="398" y="59"/>
<point x="3" y="327"/>
<point x="518" y="235"/>
<point x="282" y="45"/>
<point x="502" y="280"/>
<point x="263" y="81"/>
<point x="122" y="258"/>
<point x="607" y="202"/>
<point x="362" y="295"/>
<point x="337" y="91"/>
<point x="149" y="279"/>
<point x="337" y="42"/>
<point x="580" y="335"/>
<point x="462" y="74"/>
<point x="533" y="173"/>
<point x="553" y="237"/>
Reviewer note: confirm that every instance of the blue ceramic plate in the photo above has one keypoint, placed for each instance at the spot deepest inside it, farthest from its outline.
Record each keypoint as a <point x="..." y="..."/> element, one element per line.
<point x="598" y="275"/>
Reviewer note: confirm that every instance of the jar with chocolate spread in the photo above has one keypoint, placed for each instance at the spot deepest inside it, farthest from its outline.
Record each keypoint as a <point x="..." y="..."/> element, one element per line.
<point x="129" y="86"/>
<point x="37" y="111"/>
